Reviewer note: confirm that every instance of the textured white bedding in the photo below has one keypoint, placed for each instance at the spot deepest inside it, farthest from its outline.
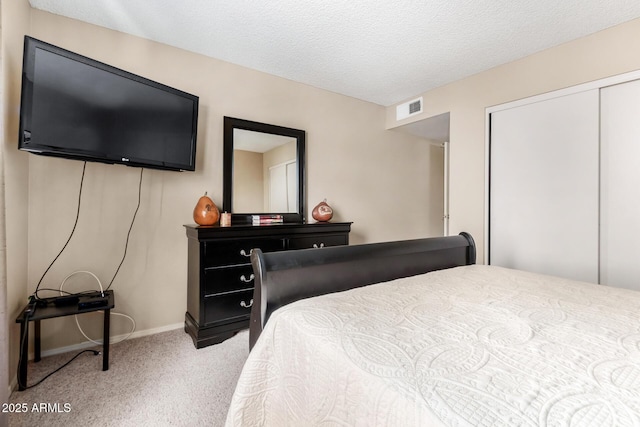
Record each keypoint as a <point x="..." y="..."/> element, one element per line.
<point x="474" y="345"/>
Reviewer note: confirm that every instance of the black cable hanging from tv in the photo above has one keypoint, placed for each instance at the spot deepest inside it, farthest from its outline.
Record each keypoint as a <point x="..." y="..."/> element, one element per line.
<point x="133" y="220"/>
<point x="75" y="224"/>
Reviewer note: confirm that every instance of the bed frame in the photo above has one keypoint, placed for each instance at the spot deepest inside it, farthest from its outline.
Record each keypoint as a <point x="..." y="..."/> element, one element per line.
<point x="284" y="277"/>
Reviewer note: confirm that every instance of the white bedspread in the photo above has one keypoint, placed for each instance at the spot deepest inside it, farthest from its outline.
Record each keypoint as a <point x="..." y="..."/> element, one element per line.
<point x="475" y="345"/>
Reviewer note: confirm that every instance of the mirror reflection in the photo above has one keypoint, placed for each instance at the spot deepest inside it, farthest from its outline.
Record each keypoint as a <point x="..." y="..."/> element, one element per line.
<point x="265" y="172"/>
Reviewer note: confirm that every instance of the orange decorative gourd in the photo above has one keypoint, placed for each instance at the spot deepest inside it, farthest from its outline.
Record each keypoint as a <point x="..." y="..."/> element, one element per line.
<point x="206" y="212"/>
<point x="322" y="212"/>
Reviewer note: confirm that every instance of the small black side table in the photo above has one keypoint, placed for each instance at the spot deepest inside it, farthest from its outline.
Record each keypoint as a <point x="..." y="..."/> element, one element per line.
<point x="49" y="312"/>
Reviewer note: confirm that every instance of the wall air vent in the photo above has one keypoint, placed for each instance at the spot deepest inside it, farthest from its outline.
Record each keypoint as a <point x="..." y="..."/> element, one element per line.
<point x="409" y="109"/>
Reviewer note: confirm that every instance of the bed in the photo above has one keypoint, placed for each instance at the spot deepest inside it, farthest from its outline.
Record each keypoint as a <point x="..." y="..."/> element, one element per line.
<point x="414" y="333"/>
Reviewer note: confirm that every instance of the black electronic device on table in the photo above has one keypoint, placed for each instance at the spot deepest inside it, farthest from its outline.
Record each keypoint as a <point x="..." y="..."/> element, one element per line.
<point x="66" y="300"/>
<point x="97" y="299"/>
<point x="81" y="301"/>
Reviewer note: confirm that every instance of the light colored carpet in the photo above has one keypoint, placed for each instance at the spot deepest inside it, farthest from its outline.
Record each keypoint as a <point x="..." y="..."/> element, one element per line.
<point x="155" y="380"/>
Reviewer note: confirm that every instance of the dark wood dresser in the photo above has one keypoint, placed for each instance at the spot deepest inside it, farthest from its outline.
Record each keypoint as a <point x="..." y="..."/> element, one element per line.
<point x="220" y="276"/>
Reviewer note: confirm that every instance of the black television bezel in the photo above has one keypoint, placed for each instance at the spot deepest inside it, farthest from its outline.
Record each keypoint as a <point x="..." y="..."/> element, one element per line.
<point x="30" y="45"/>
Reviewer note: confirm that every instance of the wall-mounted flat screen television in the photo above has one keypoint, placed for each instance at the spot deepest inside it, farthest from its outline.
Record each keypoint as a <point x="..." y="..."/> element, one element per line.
<point x="75" y="107"/>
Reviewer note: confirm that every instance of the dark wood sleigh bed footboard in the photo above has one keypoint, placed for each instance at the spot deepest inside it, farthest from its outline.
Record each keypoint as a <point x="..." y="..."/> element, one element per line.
<point x="284" y="277"/>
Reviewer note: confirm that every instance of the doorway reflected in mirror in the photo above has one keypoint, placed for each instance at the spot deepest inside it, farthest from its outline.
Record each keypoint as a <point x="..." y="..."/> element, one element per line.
<point x="265" y="175"/>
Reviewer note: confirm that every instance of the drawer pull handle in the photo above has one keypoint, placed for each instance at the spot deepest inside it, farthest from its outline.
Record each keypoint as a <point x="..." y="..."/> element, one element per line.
<point x="245" y="305"/>
<point x="244" y="253"/>
<point x="316" y="246"/>
<point x="245" y="280"/>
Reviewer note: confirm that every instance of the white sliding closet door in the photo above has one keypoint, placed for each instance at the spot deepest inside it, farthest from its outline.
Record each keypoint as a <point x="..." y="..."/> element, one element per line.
<point x="292" y="187"/>
<point x="278" y="189"/>
<point x="543" y="200"/>
<point x="620" y="185"/>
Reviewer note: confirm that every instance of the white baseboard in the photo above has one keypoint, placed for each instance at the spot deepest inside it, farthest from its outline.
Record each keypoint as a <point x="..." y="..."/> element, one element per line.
<point x="88" y="344"/>
<point x="114" y="339"/>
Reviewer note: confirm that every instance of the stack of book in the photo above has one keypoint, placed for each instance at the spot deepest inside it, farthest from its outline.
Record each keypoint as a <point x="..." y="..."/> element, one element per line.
<point x="266" y="219"/>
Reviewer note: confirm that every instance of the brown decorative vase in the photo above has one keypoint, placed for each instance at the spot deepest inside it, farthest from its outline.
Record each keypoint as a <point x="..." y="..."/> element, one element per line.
<point x="206" y="212"/>
<point x="322" y="212"/>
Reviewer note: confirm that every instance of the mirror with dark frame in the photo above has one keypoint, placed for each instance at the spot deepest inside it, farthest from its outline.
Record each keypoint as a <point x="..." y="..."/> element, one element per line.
<point x="263" y="171"/>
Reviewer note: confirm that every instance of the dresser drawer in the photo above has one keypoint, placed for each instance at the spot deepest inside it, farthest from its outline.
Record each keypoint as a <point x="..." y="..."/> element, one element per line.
<point x="237" y="251"/>
<point x="228" y="308"/>
<point x="220" y="280"/>
<point x="319" y="241"/>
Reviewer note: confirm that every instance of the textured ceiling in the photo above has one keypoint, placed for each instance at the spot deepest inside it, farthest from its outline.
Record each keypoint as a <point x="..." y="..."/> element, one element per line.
<point x="382" y="51"/>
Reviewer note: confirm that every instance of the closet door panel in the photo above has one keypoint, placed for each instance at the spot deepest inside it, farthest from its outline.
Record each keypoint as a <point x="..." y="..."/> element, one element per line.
<point x="278" y="189"/>
<point x="620" y="185"/>
<point x="543" y="200"/>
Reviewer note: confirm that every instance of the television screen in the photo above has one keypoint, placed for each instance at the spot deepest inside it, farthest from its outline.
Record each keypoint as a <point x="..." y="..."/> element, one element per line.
<point x="79" y="108"/>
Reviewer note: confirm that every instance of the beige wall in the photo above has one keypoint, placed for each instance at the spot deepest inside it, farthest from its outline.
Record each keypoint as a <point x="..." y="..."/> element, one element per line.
<point x="15" y="23"/>
<point x="609" y="52"/>
<point x="281" y="154"/>
<point x="248" y="185"/>
<point x="376" y="178"/>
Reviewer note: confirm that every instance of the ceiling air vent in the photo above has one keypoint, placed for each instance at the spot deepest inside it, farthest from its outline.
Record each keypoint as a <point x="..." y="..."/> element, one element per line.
<point x="409" y="109"/>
